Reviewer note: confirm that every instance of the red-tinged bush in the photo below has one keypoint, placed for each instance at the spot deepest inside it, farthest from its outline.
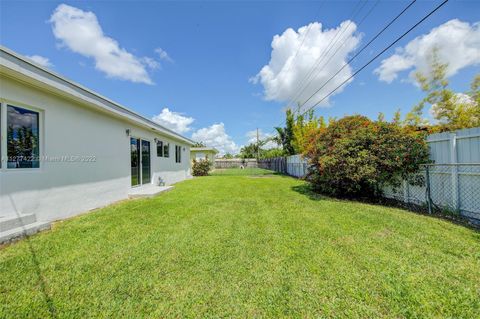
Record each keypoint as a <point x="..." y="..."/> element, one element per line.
<point x="355" y="156"/>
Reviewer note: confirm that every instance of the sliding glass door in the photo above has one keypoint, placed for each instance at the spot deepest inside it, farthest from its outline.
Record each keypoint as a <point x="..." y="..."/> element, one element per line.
<point x="140" y="161"/>
<point x="145" y="162"/>
<point x="135" y="160"/>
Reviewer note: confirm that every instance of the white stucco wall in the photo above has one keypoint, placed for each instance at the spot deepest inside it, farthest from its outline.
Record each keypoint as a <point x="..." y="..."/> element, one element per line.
<point x="202" y="155"/>
<point x="61" y="189"/>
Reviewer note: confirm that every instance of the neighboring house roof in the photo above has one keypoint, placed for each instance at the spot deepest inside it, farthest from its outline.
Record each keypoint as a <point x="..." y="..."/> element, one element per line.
<point x="204" y="149"/>
<point x="19" y="67"/>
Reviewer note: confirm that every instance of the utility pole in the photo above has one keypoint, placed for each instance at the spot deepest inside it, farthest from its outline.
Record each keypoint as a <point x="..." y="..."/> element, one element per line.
<point x="258" y="147"/>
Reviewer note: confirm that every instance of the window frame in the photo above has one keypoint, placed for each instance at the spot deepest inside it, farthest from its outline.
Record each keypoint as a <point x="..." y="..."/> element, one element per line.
<point x="161" y="148"/>
<point x="166" y="146"/>
<point x="4" y="103"/>
<point x="178" y="154"/>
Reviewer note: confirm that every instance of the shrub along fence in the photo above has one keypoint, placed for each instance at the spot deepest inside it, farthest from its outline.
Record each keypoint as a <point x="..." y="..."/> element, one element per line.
<point x="452" y="183"/>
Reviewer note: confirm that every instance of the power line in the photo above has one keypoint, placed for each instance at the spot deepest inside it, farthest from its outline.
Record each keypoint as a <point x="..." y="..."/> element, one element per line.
<point x="327" y="49"/>
<point x="303" y="40"/>
<point x="379" y="54"/>
<point x="334" y="53"/>
<point x="361" y="50"/>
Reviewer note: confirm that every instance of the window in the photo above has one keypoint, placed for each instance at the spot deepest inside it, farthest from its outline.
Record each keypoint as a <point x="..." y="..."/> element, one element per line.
<point x="159" y="148"/>
<point x="178" y="154"/>
<point x="166" y="149"/>
<point x="23" y="149"/>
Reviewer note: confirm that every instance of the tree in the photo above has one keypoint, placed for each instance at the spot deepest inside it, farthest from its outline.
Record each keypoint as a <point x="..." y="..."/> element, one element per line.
<point x="285" y="134"/>
<point x="303" y="124"/>
<point x="249" y="151"/>
<point x="199" y="144"/>
<point x="293" y="136"/>
<point x="271" y="153"/>
<point x="475" y="90"/>
<point x="452" y="110"/>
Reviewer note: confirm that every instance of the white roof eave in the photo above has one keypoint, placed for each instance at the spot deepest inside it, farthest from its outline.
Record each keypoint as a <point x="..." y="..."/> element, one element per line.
<point x="18" y="66"/>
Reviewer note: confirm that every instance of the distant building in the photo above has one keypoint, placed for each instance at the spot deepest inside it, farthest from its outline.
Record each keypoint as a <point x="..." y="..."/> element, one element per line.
<point x="203" y="153"/>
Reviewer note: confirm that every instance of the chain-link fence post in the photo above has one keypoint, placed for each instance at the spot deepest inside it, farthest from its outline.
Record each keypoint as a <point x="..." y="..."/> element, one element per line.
<point x="428" y="189"/>
<point x="406" y="197"/>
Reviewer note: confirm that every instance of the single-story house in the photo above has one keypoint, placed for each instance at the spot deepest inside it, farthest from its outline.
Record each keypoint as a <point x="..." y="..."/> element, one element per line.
<point x="203" y="153"/>
<point x="66" y="149"/>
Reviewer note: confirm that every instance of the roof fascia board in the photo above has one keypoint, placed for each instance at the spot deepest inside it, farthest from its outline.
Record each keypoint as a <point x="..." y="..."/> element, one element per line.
<point x="16" y="66"/>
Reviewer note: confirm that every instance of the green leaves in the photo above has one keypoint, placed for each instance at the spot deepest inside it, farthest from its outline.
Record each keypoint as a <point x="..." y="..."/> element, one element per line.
<point x="451" y="110"/>
<point x="355" y="156"/>
<point x="201" y="167"/>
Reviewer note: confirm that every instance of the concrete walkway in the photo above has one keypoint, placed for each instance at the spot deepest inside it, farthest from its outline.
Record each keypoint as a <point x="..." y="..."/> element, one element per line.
<point x="147" y="191"/>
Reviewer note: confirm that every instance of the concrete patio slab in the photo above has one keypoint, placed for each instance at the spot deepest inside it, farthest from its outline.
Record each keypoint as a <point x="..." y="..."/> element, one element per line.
<point x="147" y="191"/>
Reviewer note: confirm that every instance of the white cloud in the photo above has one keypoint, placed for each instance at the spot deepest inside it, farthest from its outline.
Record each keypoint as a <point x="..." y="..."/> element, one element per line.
<point x="457" y="42"/>
<point x="151" y="63"/>
<point x="43" y="61"/>
<point x="215" y="136"/>
<point x="283" y="75"/>
<point x="174" y="121"/>
<point x="81" y="32"/>
<point x="163" y="55"/>
<point x="252" y="138"/>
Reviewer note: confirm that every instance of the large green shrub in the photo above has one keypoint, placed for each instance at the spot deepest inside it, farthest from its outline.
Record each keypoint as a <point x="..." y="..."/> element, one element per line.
<point x="201" y="167"/>
<point x="355" y="156"/>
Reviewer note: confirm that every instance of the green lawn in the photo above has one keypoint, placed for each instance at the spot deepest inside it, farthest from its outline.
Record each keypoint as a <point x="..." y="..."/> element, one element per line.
<point x="243" y="246"/>
<point x="241" y="172"/>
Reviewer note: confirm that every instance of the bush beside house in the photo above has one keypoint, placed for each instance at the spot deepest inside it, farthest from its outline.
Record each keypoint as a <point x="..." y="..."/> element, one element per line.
<point x="201" y="167"/>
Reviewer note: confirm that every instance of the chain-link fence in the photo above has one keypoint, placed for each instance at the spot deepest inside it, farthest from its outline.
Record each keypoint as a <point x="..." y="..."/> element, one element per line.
<point x="448" y="188"/>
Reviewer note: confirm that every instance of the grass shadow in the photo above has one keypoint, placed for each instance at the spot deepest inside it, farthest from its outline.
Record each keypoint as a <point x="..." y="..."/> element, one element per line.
<point x="41" y="282"/>
<point x="306" y="190"/>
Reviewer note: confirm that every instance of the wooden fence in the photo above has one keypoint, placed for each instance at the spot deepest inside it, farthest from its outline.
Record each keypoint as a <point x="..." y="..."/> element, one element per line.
<point x="235" y="163"/>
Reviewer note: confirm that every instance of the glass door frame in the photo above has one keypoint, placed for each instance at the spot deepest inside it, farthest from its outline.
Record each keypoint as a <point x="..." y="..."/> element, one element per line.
<point x="140" y="161"/>
<point x="142" y="144"/>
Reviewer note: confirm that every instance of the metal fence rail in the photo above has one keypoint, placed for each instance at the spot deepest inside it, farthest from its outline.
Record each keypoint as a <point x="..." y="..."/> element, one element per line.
<point x="452" y="188"/>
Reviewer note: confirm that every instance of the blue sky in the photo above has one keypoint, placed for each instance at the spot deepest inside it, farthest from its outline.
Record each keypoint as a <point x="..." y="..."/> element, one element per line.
<point x="216" y="48"/>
